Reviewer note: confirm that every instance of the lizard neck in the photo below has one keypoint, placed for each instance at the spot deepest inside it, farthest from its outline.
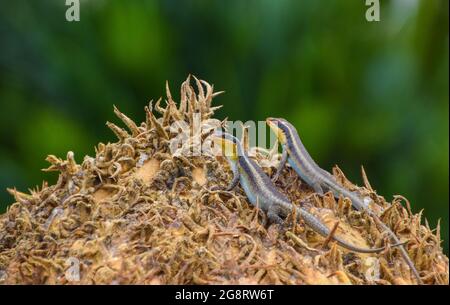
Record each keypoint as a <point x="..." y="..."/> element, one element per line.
<point x="259" y="184"/>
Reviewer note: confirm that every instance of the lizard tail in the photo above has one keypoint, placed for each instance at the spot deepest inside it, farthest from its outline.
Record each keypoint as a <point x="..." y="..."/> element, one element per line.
<point x="323" y="230"/>
<point x="350" y="247"/>
<point x="360" y="206"/>
<point x="403" y="251"/>
<point x="395" y="239"/>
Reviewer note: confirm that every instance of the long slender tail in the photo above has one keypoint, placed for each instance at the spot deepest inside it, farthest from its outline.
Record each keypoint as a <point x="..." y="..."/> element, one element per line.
<point x="323" y="230"/>
<point x="361" y="207"/>
<point x="346" y="245"/>
<point x="402" y="249"/>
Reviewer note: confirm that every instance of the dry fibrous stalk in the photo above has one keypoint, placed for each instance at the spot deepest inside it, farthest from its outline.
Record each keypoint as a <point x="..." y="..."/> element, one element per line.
<point x="138" y="213"/>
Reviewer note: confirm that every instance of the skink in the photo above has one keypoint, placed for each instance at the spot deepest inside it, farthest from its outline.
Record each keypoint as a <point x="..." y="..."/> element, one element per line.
<point x="262" y="192"/>
<point x="295" y="153"/>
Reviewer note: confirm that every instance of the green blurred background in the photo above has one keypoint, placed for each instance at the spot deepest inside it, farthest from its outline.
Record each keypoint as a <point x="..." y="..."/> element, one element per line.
<point x="360" y="93"/>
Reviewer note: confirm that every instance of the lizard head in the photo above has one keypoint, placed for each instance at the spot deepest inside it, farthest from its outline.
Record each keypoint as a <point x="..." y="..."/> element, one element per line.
<point x="280" y="127"/>
<point x="228" y="143"/>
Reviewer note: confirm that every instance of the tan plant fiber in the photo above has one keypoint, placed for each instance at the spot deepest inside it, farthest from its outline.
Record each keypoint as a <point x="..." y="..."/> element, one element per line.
<point x="137" y="214"/>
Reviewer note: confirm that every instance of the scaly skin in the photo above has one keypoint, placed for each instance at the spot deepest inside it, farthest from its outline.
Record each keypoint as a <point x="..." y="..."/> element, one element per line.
<point x="261" y="191"/>
<point x="295" y="153"/>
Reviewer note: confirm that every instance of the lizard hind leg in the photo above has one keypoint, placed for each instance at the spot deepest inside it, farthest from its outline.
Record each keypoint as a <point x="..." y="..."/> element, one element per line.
<point x="274" y="214"/>
<point x="317" y="188"/>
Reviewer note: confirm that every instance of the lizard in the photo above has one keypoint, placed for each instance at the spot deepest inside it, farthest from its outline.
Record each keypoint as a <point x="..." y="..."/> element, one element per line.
<point x="295" y="153"/>
<point x="263" y="194"/>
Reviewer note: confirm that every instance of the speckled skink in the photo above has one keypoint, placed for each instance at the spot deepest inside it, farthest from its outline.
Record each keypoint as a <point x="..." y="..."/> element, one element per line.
<point x="262" y="192"/>
<point x="295" y="153"/>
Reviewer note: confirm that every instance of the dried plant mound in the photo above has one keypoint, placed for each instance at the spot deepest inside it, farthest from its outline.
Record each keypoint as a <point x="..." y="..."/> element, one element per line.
<point x="135" y="213"/>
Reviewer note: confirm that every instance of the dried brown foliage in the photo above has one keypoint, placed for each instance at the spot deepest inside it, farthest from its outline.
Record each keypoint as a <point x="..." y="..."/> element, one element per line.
<point x="134" y="213"/>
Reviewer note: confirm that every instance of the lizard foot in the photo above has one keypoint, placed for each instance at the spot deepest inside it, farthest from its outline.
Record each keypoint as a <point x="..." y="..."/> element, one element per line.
<point x="273" y="215"/>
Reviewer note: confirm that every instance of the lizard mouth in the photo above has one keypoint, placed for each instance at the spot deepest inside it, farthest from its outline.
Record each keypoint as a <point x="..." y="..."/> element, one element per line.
<point x="272" y="122"/>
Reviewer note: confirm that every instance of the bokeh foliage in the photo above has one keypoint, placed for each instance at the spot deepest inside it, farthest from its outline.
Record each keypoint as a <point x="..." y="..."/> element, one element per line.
<point x="360" y="93"/>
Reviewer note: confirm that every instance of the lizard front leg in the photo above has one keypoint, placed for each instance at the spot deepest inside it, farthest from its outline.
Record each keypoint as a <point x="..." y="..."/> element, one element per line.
<point x="236" y="175"/>
<point x="284" y="157"/>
